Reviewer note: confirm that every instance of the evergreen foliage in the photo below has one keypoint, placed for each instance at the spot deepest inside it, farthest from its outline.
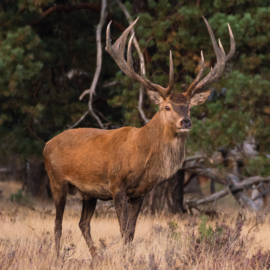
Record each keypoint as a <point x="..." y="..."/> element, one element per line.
<point x="46" y="62"/>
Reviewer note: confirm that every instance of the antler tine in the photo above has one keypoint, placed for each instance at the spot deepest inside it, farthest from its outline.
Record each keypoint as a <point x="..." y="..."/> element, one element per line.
<point x="171" y="77"/>
<point x="216" y="72"/>
<point x="164" y="91"/>
<point x="118" y="48"/>
<point x="218" y="52"/>
<point x="108" y="37"/>
<point x="117" y="52"/>
<point x="212" y="36"/>
<point x="121" y="41"/>
<point x="195" y="82"/>
<point x="149" y="85"/>
<point x="129" y="56"/>
<point x="221" y="48"/>
<point x="232" y="49"/>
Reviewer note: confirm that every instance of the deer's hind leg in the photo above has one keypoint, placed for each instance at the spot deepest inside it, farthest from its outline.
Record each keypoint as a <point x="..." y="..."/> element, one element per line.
<point x="88" y="209"/>
<point x="60" y="196"/>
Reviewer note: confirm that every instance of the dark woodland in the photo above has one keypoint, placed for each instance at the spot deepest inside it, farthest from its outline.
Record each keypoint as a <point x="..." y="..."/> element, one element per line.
<point x="48" y="57"/>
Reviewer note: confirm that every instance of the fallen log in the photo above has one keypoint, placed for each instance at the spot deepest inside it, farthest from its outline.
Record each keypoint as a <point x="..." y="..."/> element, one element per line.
<point x="233" y="189"/>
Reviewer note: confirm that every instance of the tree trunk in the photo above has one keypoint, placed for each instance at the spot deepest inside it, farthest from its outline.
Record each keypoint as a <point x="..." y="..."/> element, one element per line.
<point x="37" y="182"/>
<point x="212" y="187"/>
<point x="178" y="193"/>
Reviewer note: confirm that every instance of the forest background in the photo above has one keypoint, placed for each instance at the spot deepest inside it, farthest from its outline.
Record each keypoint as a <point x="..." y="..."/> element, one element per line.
<point x="48" y="58"/>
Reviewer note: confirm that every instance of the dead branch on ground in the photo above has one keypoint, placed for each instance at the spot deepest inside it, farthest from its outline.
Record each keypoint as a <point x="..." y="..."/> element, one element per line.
<point x="234" y="188"/>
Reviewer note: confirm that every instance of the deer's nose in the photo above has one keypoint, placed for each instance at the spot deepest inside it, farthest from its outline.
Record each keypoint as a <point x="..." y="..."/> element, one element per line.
<point x="185" y="123"/>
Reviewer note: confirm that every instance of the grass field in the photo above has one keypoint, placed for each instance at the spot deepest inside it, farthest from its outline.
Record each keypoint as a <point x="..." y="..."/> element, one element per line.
<point x="231" y="240"/>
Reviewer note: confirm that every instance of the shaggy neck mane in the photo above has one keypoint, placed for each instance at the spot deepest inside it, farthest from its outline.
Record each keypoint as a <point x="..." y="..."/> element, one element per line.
<point x="164" y="150"/>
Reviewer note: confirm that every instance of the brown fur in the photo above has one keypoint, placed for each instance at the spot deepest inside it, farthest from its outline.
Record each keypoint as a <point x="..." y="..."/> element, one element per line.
<point x="178" y="99"/>
<point x="122" y="164"/>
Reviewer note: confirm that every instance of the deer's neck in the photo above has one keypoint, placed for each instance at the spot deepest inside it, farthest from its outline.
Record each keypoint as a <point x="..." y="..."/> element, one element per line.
<point x="164" y="150"/>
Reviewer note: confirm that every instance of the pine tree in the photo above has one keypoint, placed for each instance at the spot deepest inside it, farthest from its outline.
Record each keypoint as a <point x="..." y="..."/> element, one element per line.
<point x="47" y="59"/>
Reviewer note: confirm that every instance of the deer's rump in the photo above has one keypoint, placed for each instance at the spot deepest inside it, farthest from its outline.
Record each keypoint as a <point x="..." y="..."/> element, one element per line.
<point x="77" y="158"/>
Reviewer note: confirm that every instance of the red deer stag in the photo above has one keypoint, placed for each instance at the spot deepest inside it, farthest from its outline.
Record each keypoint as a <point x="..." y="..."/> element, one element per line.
<point x="126" y="163"/>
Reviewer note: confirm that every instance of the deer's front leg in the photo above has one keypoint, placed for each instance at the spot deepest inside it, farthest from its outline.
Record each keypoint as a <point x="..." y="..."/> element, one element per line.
<point x="122" y="210"/>
<point x="134" y="207"/>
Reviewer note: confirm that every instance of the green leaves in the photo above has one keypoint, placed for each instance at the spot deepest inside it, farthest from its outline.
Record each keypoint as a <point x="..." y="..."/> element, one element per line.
<point x="45" y="64"/>
<point x="17" y="62"/>
<point x="189" y="12"/>
<point x="258" y="166"/>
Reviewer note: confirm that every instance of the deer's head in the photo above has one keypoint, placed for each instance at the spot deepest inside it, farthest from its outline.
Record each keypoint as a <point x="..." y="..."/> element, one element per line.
<point x="174" y="107"/>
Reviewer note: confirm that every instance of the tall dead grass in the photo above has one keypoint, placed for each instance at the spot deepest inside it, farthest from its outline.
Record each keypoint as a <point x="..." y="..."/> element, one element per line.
<point x="228" y="241"/>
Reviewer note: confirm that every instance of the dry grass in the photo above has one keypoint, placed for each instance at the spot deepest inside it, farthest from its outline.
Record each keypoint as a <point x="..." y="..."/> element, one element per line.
<point x="174" y="242"/>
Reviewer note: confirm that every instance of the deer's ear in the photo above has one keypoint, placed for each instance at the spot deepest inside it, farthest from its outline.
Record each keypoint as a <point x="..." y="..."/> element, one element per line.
<point x="199" y="98"/>
<point x="155" y="97"/>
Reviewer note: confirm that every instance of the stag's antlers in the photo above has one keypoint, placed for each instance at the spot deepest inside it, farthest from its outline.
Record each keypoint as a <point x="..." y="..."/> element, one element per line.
<point x="117" y="52"/>
<point x="216" y="72"/>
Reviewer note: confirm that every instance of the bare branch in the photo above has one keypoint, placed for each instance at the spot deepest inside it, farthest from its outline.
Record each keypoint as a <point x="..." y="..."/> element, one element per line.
<point x="109" y="84"/>
<point x="91" y="108"/>
<point x="209" y="199"/>
<point x="234" y="188"/>
<point x="142" y="62"/>
<point x="34" y="134"/>
<point x="79" y="121"/>
<point x="99" y="52"/>
<point x="92" y="89"/>
<point x="260" y="195"/>
<point x="102" y="116"/>
<point x="196" y="158"/>
<point x="240" y="196"/>
<point x="252" y="181"/>
<point x="145" y="119"/>
<point x="208" y="172"/>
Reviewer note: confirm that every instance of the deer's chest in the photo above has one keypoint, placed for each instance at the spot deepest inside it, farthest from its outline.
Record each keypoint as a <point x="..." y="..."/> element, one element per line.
<point x="143" y="181"/>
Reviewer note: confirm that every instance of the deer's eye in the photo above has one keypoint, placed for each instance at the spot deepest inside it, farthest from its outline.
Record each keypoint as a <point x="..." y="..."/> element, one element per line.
<point x="167" y="108"/>
<point x="190" y="108"/>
